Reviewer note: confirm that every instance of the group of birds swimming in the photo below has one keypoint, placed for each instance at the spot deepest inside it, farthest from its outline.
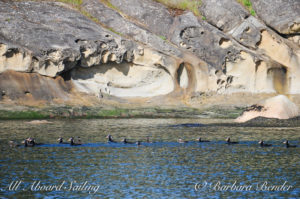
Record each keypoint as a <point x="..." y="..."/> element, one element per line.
<point x="228" y="141"/>
<point x="30" y="142"/>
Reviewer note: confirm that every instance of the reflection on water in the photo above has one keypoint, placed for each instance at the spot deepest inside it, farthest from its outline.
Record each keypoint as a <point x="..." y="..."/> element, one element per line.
<point x="163" y="169"/>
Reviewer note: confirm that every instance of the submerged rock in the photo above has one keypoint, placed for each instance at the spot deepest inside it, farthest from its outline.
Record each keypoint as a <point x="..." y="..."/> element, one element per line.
<point x="279" y="107"/>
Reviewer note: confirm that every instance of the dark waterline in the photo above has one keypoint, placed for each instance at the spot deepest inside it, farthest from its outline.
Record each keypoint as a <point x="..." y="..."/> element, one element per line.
<point x="164" y="169"/>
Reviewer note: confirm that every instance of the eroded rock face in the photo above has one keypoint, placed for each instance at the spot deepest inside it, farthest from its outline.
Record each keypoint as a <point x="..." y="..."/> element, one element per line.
<point x="142" y="78"/>
<point x="53" y="39"/>
<point x="282" y="15"/>
<point x="224" y="14"/>
<point x="32" y="86"/>
<point x="142" y="49"/>
<point x="151" y="14"/>
<point x="279" y="107"/>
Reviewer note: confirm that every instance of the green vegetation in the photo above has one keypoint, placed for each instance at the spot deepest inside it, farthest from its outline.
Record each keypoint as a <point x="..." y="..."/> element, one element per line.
<point x="101" y="112"/>
<point x="22" y="115"/>
<point x="77" y="4"/>
<point x="203" y="18"/>
<point x="114" y="31"/>
<point x="72" y="2"/>
<point x="110" y="5"/>
<point x="112" y="113"/>
<point x="191" y="5"/>
<point x="162" y="37"/>
<point x="88" y="15"/>
<point x="248" y="5"/>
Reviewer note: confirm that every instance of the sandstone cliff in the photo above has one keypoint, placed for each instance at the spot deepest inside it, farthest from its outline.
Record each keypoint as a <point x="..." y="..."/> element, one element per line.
<point x="57" y="51"/>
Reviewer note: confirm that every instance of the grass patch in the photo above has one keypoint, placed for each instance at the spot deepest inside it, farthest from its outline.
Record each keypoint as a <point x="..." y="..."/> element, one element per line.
<point x="4" y="115"/>
<point x="163" y="37"/>
<point x="114" y="31"/>
<point x="191" y="5"/>
<point x="110" y="5"/>
<point x="101" y="112"/>
<point x="72" y="2"/>
<point x="248" y="5"/>
<point x="88" y="15"/>
<point x="112" y="112"/>
<point x="223" y="112"/>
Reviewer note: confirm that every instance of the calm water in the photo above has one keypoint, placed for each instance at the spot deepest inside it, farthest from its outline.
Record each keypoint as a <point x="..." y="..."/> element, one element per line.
<point x="164" y="169"/>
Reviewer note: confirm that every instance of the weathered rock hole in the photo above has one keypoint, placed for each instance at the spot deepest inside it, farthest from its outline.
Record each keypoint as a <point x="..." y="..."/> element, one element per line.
<point x="11" y="52"/>
<point x="257" y="64"/>
<point x="218" y="73"/>
<point x="248" y="29"/>
<point x="112" y="57"/>
<point x="279" y="77"/>
<point x="77" y="40"/>
<point x="123" y="80"/>
<point x="103" y="45"/>
<point x="229" y="79"/>
<point x="182" y="76"/>
<point x="225" y="43"/>
<point x="295" y="27"/>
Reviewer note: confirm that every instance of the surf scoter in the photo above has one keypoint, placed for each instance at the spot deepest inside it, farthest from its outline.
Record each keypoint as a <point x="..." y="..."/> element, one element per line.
<point x="230" y="142"/>
<point x="109" y="137"/>
<point x="200" y="140"/>
<point x="72" y="143"/>
<point x="263" y="144"/>
<point x="288" y="145"/>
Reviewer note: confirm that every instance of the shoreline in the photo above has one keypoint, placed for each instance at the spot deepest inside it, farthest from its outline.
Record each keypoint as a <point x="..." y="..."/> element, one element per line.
<point x="205" y="106"/>
<point x="50" y="114"/>
<point x="83" y="112"/>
